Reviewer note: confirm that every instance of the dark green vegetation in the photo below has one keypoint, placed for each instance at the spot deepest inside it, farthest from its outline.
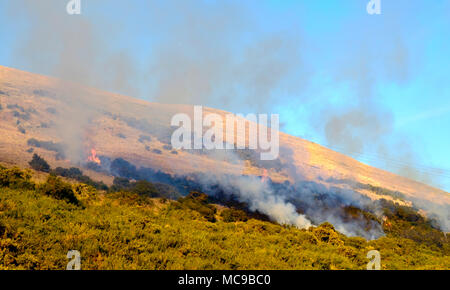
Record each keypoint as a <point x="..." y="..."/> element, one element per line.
<point x="130" y="229"/>
<point x="144" y="187"/>
<point x="39" y="164"/>
<point x="57" y="188"/>
<point x="230" y="215"/>
<point x="77" y="174"/>
<point x="198" y="202"/>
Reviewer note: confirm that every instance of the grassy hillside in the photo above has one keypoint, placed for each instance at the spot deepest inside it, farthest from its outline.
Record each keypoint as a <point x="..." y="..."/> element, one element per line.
<point x="40" y="223"/>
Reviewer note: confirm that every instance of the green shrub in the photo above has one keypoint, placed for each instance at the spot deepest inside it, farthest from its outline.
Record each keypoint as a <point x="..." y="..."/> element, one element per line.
<point x="199" y="202"/>
<point x="16" y="178"/>
<point x="39" y="164"/>
<point x="57" y="188"/>
<point x="121" y="231"/>
<point x="144" y="187"/>
<point x="327" y="234"/>
<point x="72" y="172"/>
<point x="230" y="215"/>
<point x="77" y="174"/>
<point x="130" y="198"/>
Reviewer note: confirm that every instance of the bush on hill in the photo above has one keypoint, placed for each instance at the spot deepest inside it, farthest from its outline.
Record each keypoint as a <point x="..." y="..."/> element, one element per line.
<point x="125" y="230"/>
<point x="38" y="163"/>
<point x="77" y="174"/>
<point x="230" y="215"/>
<point x="199" y="202"/>
<point x="57" y="188"/>
<point x="144" y="187"/>
<point x="16" y="178"/>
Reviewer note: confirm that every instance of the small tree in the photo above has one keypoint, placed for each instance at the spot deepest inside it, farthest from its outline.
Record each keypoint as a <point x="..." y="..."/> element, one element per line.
<point x="39" y="164"/>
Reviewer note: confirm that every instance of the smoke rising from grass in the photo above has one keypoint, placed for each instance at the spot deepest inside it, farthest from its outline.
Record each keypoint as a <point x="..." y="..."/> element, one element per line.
<point x="261" y="197"/>
<point x="302" y="204"/>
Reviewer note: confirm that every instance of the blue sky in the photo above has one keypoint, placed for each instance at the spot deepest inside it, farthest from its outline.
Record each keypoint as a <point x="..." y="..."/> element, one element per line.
<point x="384" y="79"/>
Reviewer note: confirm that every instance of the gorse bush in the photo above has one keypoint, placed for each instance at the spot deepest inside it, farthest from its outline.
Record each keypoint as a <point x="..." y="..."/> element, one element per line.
<point x="57" y="188"/>
<point x="199" y="202"/>
<point x="132" y="199"/>
<point x="233" y="215"/>
<point x="16" y="178"/>
<point x="327" y="234"/>
<point x="126" y="230"/>
<point x="406" y="222"/>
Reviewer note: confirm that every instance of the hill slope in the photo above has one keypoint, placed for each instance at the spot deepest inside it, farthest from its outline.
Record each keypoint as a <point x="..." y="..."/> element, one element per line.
<point x="125" y="231"/>
<point x="73" y="120"/>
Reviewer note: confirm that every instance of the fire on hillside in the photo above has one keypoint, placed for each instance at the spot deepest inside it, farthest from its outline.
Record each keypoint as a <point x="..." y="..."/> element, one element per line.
<point x="93" y="157"/>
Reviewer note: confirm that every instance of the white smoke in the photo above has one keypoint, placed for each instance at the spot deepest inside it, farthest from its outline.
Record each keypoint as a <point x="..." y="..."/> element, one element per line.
<point x="261" y="197"/>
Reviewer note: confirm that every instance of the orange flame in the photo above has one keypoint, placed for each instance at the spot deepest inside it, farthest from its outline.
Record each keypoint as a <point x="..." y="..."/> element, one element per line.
<point x="264" y="176"/>
<point x="93" y="157"/>
<point x="386" y="222"/>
